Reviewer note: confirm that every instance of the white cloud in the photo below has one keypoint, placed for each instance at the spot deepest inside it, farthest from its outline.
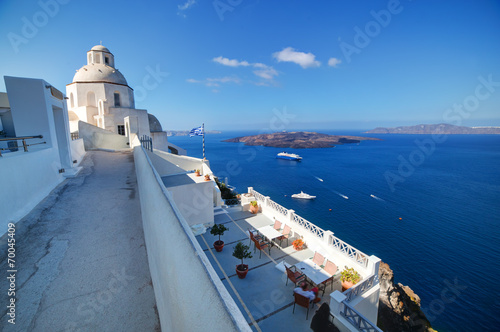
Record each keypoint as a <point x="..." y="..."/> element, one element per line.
<point x="225" y="79"/>
<point x="263" y="71"/>
<point x="192" y="80"/>
<point x="333" y="62"/>
<point x="266" y="72"/>
<point x="230" y="63"/>
<point x="188" y="4"/>
<point x="305" y="60"/>
<point x="184" y="7"/>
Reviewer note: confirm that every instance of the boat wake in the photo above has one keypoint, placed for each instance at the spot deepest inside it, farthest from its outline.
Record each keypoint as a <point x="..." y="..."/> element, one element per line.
<point x="377" y="198"/>
<point x="319" y="179"/>
<point x="343" y="196"/>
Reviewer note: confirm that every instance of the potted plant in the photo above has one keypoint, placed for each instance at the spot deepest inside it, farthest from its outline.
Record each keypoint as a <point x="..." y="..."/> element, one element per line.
<point x="207" y="177"/>
<point x="197" y="172"/>
<point x="218" y="229"/>
<point x="240" y="252"/>
<point x="298" y="244"/>
<point x="254" y="207"/>
<point x="349" y="278"/>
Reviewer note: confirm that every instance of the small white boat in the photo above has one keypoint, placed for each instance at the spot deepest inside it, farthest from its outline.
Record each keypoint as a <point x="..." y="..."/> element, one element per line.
<point x="303" y="195"/>
<point x="288" y="156"/>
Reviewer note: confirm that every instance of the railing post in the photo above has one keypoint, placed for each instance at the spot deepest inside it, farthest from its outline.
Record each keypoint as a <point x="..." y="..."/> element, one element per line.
<point x="266" y="201"/>
<point x="24" y="146"/>
<point x="250" y="189"/>
<point x="326" y="237"/>
<point x="336" y="303"/>
<point x="291" y="213"/>
<point x="374" y="261"/>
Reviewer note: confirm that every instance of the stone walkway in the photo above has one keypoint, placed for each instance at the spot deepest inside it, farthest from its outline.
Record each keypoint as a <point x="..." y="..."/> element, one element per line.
<point x="80" y="255"/>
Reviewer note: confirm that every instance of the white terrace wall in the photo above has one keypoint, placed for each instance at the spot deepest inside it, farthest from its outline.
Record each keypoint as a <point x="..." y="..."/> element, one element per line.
<point x="189" y="294"/>
<point x="77" y="150"/>
<point x="27" y="178"/>
<point x="184" y="162"/>
<point x="98" y="138"/>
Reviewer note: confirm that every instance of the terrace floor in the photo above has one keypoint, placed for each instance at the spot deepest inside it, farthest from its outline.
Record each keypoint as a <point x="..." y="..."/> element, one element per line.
<point x="263" y="298"/>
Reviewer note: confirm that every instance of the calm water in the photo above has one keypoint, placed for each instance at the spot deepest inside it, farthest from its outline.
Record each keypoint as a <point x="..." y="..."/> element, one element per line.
<point x="446" y="246"/>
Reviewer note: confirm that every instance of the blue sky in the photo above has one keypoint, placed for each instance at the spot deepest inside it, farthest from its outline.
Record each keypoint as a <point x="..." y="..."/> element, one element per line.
<point x="245" y="64"/>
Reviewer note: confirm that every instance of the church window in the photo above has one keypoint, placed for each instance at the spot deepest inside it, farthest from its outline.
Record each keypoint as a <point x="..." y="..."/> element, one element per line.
<point x="97" y="58"/>
<point x="117" y="99"/>
<point x="71" y="100"/>
<point x="106" y="60"/>
<point x="121" y="130"/>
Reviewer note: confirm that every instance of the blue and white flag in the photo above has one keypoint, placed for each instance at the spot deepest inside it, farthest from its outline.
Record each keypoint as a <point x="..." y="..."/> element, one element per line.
<point x="196" y="131"/>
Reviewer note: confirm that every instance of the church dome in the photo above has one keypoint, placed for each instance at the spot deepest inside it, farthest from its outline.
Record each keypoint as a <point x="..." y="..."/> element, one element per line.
<point x="100" y="48"/>
<point x="154" y="124"/>
<point x="99" y="73"/>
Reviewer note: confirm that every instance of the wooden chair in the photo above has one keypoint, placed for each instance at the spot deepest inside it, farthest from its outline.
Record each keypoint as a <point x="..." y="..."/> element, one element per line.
<point x="294" y="276"/>
<point x="318" y="259"/>
<point x="303" y="302"/>
<point x="286" y="234"/>
<point x="277" y="225"/>
<point x="261" y="245"/>
<point x="253" y="235"/>
<point x="330" y="268"/>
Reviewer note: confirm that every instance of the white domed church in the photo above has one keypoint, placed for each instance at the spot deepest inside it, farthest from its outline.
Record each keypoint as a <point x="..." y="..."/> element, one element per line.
<point x="100" y="96"/>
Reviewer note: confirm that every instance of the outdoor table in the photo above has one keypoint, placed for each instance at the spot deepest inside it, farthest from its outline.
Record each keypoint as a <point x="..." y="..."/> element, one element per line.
<point x="312" y="271"/>
<point x="269" y="232"/>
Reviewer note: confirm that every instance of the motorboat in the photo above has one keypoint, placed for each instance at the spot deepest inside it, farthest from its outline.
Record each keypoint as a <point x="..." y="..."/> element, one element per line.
<point x="288" y="156"/>
<point x="303" y="195"/>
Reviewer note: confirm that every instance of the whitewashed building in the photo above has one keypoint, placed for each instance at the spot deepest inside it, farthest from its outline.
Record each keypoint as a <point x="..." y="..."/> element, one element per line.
<point x="100" y="96"/>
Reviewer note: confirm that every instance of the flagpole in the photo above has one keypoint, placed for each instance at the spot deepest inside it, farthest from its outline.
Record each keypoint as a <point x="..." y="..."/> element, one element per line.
<point x="203" y="132"/>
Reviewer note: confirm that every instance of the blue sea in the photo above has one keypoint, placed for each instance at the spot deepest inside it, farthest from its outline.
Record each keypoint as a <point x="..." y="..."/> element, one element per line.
<point x="428" y="207"/>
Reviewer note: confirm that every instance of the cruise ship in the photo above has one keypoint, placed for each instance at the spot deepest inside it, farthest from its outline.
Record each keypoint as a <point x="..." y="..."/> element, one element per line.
<point x="288" y="156"/>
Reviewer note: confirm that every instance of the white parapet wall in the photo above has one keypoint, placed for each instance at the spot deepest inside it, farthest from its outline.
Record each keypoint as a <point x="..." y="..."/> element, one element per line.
<point x="77" y="151"/>
<point x="27" y="178"/>
<point x="189" y="294"/>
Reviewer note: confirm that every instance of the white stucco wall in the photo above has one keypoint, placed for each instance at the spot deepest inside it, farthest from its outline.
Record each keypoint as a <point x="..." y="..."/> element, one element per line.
<point x="77" y="150"/>
<point x="97" y="138"/>
<point x="189" y="294"/>
<point x="184" y="162"/>
<point x="27" y="178"/>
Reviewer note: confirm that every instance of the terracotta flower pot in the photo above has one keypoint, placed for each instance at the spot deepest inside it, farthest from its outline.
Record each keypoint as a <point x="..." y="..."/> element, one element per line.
<point x="243" y="272"/>
<point x="346" y="285"/>
<point x="254" y="209"/>
<point x="218" y="245"/>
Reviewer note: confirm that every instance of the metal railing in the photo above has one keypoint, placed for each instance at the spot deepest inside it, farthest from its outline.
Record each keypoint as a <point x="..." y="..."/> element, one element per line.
<point x="278" y="208"/>
<point x="13" y="145"/>
<point x="146" y="142"/>
<point x="361" y="287"/>
<point x="357" y="319"/>
<point x="231" y="201"/>
<point x="74" y="136"/>
<point x="348" y="250"/>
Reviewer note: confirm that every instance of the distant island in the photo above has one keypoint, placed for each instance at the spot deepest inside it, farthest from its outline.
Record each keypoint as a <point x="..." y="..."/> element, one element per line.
<point x="298" y="140"/>
<point x="441" y="128"/>
<point x="186" y="132"/>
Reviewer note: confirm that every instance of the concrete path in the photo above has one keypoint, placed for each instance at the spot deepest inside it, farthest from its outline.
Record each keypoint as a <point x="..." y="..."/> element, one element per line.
<point x="80" y="255"/>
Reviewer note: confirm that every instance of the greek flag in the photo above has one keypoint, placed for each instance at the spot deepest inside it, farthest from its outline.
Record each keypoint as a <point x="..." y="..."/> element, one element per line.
<point x="196" y="132"/>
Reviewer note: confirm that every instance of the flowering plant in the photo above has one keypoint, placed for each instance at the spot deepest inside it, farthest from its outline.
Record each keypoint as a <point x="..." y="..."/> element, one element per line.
<point x="253" y="203"/>
<point x="298" y="244"/>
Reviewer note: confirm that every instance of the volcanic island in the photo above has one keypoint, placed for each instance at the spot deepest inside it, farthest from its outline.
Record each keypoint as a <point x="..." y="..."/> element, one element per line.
<point x="299" y="140"/>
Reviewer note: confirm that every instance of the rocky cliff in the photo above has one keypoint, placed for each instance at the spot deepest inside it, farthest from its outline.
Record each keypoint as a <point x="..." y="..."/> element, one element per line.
<point x="399" y="307"/>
